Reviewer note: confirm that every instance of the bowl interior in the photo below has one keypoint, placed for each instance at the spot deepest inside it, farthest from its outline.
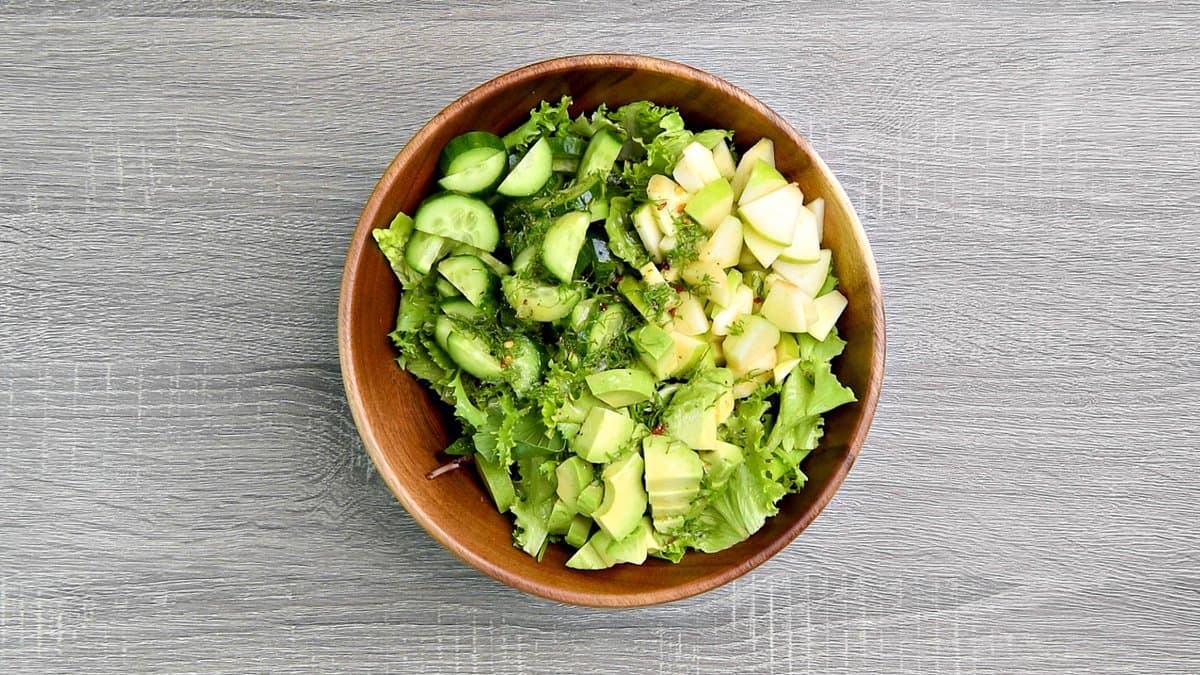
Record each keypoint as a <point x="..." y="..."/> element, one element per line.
<point x="403" y="426"/>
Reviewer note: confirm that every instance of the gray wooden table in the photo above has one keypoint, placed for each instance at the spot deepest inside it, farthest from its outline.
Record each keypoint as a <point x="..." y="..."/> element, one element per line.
<point x="182" y="488"/>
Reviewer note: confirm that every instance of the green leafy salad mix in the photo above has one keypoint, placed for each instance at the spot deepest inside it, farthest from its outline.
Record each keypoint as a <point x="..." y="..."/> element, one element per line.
<point x="634" y="326"/>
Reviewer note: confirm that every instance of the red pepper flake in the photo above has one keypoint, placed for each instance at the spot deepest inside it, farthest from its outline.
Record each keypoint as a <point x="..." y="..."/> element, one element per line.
<point x="666" y="265"/>
<point x="678" y="288"/>
<point x="757" y="299"/>
<point x="658" y="430"/>
<point x="671" y="311"/>
<point x="618" y="278"/>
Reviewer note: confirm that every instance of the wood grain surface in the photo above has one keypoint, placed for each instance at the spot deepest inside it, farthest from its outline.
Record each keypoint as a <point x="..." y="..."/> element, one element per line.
<point x="182" y="488"/>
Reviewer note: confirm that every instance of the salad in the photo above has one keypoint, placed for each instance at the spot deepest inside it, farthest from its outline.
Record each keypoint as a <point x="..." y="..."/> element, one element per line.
<point x="633" y="325"/>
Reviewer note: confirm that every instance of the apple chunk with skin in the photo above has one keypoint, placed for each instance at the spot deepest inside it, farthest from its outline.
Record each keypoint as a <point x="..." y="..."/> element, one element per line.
<point x="696" y="167"/>
<point x="808" y="277"/>
<point x="774" y="215"/>
<point x="762" y="249"/>
<point x="764" y="150"/>
<point x="828" y="308"/>
<point x="724" y="245"/>
<point x="764" y="179"/>
<point x="711" y="205"/>
<point x="724" y="160"/>
<point x="669" y="199"/>
<point x="787" y="307"/>
<point x="806" y="240"/>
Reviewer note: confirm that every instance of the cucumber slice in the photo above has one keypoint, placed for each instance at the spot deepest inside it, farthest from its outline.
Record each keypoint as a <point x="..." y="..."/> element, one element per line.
<point x="467" y="150"/>
<point x="524" y="259"/>
<point x="442" y="328"/>
<point x="600" y="155"/>
<point x="536" y="302"/>
<point x="471" y="353"/>
<point x="458" y="217"/>
<point x="524" y="359"/>
<point x="469" y="275"/>
<point x="498" y="481"/>
<point x="460" y="308"/>
<point x="423" y="250"/>
<point x="446" y="289"/>
<point x="531" y="173"/>
<point x="564" y="239"/>
<point x="480" y="175"/>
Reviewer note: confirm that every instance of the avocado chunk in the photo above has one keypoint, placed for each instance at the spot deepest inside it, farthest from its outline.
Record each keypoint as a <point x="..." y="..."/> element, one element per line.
<point x="578" y="531"/>
<point x="593" y="555"/>
<point x="673" y="475"/>
<point x="498" y="482"/>
<point x="636" y="545"/>
<point x="632" y="290"/>
<point x="560" y="518"/>
<point x="574" y="474"/>
<point x="624" y="496"/>
<point x="694" y="412"/>
<point x="656" y="349"/>
<point x="720" y="462"/>
<point x="589" y="499"/>
<point x="603" y="433"/>
<point x="688" y="352"/>
<point x="621" y="387"/>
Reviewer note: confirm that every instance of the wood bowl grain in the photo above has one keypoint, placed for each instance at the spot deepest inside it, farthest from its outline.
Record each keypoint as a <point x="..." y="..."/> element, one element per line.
<point x="404" y="427"/>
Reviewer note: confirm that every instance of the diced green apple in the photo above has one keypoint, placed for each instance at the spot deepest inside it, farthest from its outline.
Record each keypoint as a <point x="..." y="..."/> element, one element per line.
<point x="646" y="223"/>
<point x="787" y="356"/>
<point x="746" y="387"/>
<point x="669" y="200"/>
<point x="723" y="158"/>
<point x="747" y="348"/>
<point x="774" y="214"/>
<point x="757" y="366"/>
<point x="741" y="305"/>
<point x="787" y="307"/>
<point x="763" y="150"/>
<point x="688" y="351"/>
<point x="651" y="274"/>
<point x="764" y="179"/>
<point x="709" y="276"/>
<point x="689" y="316"/>
<point x="764" y="251"/>
<point x="828" y="308"/>
<point x="712" y="204"/>
<point x="724" y="245"/>
<point x="806" y="241"/>
<point x="695" y="168"/>
<point x="817" y="208"/>
<point x="808" y="277"/>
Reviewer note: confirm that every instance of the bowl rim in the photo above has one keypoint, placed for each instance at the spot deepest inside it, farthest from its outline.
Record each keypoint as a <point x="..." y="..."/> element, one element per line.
<point x="360" y="239"/>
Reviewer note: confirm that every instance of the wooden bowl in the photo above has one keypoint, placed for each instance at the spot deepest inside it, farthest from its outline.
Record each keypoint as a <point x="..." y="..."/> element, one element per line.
<point x="404" y="427"/>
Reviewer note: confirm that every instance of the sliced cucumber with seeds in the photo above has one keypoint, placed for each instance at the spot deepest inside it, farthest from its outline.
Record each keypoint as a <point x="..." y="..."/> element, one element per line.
<point x="530" y="173"/>
<point x="601" y="154"/>
<point x="536" y="302"/>
<point x="461" y="308"/>
<point x="473" y="162"/>
<point x="446" y="289"/>
<point x="425" y="249"/>
<point x="564" y="239"/>
<point x="472" y="354"/>
<point x="460" y="218"/>
<point x="469" y="275"/>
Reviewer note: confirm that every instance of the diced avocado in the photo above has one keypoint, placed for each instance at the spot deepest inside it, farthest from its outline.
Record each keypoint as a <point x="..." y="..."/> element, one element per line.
<point x="621" y="387"/>
<point x="692" y="415"/>
<point x="498" y="482"/>
<point x="560" y="518"/>
<point x="632" y="290"/>
<point x="673" y="475"/>
<point x="688" y="352"/>
<point x="636" y="545"/>
<point x="603" y="434"/>
<point x="712" y="204"/>
<point x="656" y="349"/>
<point x="576" y="409"/>
<point x="721" y="461"/>
<point x="578" y="531"/>
<point x="593" y="555"/>
<point x="574" y="474"/>
<point x="590" y="499"/>
<point x="536" y="302"/>
<point x="624" y="496"/>
<point x="564" y="239"/>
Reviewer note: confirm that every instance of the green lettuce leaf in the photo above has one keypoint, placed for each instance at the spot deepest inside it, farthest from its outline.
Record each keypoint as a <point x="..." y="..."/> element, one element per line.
<point x="391" y="241"/>
<point x="546" y="119"/>
<point x="535" y="499"/>
<point x="736" y="511"/>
